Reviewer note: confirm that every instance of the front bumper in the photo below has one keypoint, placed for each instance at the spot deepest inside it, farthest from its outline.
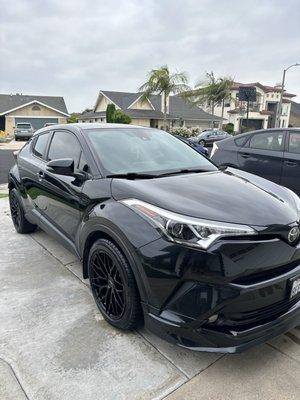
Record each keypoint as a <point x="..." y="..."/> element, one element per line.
<point x="227" y="299"/>
<point x="27" y="134"/>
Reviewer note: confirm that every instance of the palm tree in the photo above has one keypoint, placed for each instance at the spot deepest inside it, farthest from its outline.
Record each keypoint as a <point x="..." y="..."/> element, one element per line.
<point x="162" y="82"/>
<point x="211" y="92"/>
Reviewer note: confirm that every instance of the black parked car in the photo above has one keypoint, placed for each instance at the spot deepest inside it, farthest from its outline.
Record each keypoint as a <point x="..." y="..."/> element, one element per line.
<point x="271" y="153"/>
<point x="209" y="137"/>
<point x="208" y="259"/>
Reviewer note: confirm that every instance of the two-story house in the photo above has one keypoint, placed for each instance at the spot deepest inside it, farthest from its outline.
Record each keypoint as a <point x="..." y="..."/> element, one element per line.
<point x="149" y="112"/>
<point x="262" y="113"/>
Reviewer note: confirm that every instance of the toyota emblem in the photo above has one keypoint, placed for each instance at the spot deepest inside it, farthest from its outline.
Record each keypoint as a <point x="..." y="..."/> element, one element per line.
<point x="294" y="234"/>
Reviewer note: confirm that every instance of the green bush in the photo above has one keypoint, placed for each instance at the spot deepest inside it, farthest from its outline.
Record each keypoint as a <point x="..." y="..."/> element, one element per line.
<point x="119" y="117"/>
<point x="72" y="119"/>
<point x="116" y="116"/>
<point x="229" y="128"/>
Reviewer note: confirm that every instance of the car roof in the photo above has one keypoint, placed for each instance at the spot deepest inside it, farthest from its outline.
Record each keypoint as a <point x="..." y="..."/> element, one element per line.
<point x="88" y="125"/>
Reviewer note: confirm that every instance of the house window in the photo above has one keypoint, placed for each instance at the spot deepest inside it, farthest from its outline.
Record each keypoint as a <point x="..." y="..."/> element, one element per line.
<point x="36" y="108"/>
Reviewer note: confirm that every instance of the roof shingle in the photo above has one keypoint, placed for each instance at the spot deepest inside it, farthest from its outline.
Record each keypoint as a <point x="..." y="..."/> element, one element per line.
<point x="9" y="102"/>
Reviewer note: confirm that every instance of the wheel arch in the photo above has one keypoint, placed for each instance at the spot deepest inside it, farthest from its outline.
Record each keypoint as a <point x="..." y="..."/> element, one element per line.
<point x="104" y="232"/>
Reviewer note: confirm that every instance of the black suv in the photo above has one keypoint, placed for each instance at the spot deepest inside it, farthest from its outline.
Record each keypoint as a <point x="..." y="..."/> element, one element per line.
<point x="208" y="259"/>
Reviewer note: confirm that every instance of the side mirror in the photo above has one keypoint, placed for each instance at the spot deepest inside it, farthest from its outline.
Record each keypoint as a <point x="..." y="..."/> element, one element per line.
<point x="61" y="166"/>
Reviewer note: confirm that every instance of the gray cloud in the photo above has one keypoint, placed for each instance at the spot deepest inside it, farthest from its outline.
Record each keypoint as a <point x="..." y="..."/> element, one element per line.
<point x="74" y="48"/>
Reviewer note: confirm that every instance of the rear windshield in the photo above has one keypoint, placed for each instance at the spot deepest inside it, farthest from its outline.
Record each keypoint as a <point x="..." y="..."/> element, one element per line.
<point x="144" y="150"/>
<point x="23" y="126"/>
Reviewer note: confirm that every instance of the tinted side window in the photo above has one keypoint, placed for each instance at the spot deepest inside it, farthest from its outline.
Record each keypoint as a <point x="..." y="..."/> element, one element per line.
<point x="40" y="144"/>
<point x="267" y="141"/>
<point x="64" y="145"/>
<point x="82" y="165"/>
<point x="294" y="142"/>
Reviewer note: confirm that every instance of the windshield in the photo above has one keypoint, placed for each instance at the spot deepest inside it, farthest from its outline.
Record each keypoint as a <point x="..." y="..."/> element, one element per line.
<point x="126" y="150"/>
<point x="23" y="126"/>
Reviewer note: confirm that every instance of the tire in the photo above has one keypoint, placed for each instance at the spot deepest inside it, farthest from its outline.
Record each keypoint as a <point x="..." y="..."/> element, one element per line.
<point x="16" y="139"/>
<point x="21" y="224"/>
<point x="113" y="285"/>
<point x="202" y="142"/>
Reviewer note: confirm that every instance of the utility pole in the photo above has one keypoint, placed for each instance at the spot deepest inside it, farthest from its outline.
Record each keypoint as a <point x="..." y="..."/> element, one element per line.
<point x="278" y="111"/>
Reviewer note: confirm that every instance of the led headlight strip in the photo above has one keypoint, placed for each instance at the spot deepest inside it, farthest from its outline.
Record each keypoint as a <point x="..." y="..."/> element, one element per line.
<point x="186" y="230"/>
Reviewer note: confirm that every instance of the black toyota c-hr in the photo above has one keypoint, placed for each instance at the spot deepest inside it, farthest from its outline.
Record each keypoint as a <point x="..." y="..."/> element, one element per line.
<point x="206" y="258"/>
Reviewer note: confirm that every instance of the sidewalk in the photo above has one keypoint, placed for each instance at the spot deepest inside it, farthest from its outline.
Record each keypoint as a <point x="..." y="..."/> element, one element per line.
<point x="55" y="345"/>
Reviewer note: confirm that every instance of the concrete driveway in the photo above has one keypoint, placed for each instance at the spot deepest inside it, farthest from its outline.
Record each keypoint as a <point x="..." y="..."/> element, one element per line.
<point x="54" y="344"/>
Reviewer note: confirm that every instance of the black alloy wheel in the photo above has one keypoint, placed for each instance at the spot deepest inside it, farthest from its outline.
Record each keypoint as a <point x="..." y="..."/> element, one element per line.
<point x="17" y="214"/>
<point x="113" y="285"/>
<point x="15" y="210"/>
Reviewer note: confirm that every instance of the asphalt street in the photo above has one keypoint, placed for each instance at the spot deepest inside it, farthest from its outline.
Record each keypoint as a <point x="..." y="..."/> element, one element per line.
<point x="6" y="162"/>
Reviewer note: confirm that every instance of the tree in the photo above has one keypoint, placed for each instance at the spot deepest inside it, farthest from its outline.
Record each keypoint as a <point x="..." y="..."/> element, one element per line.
<point x="110" y="111"/>
<point x="120" y="117"/>
<point x="161" y="81"/>
<point x="73" y="118"/>
<point x="211" y="92"/>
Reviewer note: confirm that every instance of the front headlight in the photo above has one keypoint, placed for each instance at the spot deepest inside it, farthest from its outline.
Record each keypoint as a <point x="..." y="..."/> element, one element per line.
<point x="186" y="230"/>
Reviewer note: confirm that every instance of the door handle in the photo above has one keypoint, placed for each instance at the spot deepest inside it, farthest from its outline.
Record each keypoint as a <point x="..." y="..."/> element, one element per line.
<point x="290" y="163"/>
<point x="41" y="175"/>
<point x="245" y="155"/>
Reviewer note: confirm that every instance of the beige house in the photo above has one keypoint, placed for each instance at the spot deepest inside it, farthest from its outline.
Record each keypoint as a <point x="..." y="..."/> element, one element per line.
<point x="38" y="110"/>
<point x="262" y="113"/>
<point x="149" y="112"/>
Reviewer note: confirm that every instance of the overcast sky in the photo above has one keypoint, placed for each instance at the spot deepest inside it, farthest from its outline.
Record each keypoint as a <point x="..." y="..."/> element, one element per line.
<point x="74" y="48"/>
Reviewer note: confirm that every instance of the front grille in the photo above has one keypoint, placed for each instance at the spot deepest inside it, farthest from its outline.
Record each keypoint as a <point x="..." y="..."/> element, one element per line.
<point x="266" y="274"/>
<point x="261" y="315"/>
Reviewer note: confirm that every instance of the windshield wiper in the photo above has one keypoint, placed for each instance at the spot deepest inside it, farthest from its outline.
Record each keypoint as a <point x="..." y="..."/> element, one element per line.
<point x="132" y="175"/>
<point x="184" y="171"/>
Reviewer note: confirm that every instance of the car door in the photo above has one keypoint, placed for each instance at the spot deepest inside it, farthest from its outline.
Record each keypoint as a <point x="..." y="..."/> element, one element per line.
<point x="291" y="162"/>
<point x="263" y="154"/>
<point x="210" y="137"/>
<point x="31" y="160"/>
<point x="61" y="200"/>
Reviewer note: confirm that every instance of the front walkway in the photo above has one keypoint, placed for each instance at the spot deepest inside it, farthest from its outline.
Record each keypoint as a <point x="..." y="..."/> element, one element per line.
<point x="54" y="344"/>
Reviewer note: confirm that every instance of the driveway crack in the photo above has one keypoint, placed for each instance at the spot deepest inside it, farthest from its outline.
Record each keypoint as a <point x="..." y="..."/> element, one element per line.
<point x="16" y="377"/>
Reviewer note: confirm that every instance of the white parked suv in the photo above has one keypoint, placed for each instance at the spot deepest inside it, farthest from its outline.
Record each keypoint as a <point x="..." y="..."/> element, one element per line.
<point x="23" y="130"/>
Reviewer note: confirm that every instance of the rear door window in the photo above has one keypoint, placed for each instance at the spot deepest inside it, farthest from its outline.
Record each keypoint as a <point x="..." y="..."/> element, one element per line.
<point x="40" y="145"/>
<point x="294" y="142"/>
<point x="273" y="141"/>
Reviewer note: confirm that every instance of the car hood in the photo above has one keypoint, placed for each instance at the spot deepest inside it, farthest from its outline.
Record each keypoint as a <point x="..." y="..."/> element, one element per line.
<point x="230" y="196"/>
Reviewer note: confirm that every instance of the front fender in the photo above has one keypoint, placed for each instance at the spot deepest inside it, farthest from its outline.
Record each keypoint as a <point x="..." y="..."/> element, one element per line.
<point x="14" y="179"/>
<point x="126" y="228"/>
